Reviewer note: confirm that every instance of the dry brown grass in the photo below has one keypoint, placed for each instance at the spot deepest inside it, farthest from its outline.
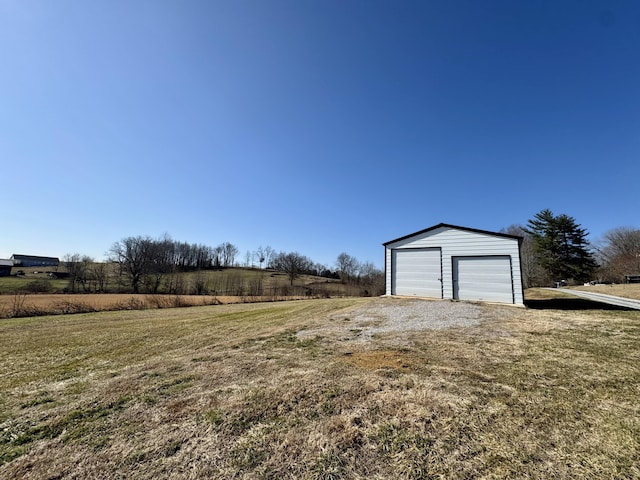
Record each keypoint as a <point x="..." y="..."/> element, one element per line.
<point x="231" y="391"/>
<point x="545" y="294"/>
<point x="377" y="359"/>
<point x="631" y="290"/>
<point x="23" y="305"/>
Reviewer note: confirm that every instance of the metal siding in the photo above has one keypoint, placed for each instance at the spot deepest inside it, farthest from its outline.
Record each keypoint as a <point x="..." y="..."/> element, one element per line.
<point x="387" y="271"/>
<point x="456" y="242"/>
<point x="416" y="272"/>
<point x="483" y="278"/>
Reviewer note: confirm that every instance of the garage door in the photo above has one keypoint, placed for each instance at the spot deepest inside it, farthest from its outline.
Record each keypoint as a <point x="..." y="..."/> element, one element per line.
<point x="483" y="278"/>
<point x="417" y="272"/>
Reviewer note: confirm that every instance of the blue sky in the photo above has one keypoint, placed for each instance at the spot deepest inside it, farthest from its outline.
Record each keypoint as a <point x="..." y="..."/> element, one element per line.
<point x="317" y="126"/>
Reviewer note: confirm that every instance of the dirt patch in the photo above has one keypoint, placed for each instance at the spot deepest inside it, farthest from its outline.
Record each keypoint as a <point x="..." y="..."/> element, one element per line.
<point x="394" y="359"/>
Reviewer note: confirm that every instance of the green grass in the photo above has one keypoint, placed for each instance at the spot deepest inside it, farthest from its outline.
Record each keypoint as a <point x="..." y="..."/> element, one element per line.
<point x="233" y="391"/>
<point x="34" y="284"/>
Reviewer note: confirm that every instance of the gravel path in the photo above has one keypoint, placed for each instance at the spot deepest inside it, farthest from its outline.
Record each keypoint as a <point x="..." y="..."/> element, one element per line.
<point x="395" y="315"/>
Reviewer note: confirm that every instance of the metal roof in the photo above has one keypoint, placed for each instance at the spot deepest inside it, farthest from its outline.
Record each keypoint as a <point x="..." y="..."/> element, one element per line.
<point x="448" y="225"/>
<point x="16" y="256"/>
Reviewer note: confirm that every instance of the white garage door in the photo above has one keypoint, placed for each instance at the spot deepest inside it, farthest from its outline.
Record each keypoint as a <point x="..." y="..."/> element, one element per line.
<point x="416" y="271"/>
<point x="483" y="278"/>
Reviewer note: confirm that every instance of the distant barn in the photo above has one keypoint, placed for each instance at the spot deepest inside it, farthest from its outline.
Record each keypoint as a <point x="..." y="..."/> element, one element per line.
<point x="34" y="261"/>
<point x="5" y="267"/>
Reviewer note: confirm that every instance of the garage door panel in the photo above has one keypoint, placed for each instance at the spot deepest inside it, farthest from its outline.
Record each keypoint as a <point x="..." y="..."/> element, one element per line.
<point x="483" y="278"/>
<point x="417" y="272"/>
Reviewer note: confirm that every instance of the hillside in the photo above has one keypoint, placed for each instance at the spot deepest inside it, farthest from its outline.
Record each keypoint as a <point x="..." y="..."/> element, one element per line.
<point x="235" y="281"/>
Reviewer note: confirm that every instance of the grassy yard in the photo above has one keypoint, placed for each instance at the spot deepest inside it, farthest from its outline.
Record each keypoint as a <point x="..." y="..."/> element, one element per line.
<point x="231" y="391"/>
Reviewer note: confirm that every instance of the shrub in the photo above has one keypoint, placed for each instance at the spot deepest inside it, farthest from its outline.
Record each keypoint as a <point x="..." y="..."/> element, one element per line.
<point x="42" y="285"/>
<point x="132" y="304"/>
<point x="19" y="308"/>
<point x="67" y="306"/>
<point x="166" y="301"/>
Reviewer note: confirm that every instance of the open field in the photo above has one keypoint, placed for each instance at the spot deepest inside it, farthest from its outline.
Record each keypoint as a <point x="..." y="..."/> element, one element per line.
<point x="322" y="389"/>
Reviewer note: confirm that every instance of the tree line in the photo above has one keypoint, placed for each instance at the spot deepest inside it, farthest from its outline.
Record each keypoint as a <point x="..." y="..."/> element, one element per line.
<point x="348" y="269"/>
<point x="556" y="249"/>
<point x="149" y="265"/>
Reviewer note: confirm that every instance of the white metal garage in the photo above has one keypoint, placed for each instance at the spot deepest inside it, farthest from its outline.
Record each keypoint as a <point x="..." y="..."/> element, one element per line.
<point x="451" y="262"/>
<point x="483" y="278"/>
<point x="417" y="271"/>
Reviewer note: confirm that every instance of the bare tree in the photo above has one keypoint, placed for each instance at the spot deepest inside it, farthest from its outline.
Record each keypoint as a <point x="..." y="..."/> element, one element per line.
<point x="71" y="261"/>
<point x="200" y="284"/>
<point x="268" y="254"/>
<point x="293" y="264"/>
<point x="319" y="268"/>
<point x="79" y="268"/>
<point x="347" y="267"/>
<point x="619" y="253"/>
<point x="217" y="256"/>
<point x="161" y="261"/>
<point x="133" y="254"/>
<point x="99" y="271"/>
<point x="533" y="274"/>
<point x="228" y="252"/>
<point x="371" y="279"/>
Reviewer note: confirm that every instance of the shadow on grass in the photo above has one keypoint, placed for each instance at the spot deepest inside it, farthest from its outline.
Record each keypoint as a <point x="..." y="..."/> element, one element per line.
<point x="571" y="304"/>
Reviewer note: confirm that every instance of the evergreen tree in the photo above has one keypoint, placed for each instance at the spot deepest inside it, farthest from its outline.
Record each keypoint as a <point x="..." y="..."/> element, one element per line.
<point x="561" y="246"/>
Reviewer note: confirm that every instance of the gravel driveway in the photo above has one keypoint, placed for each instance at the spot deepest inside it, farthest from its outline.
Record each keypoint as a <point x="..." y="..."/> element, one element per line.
<point x="396" y="315"/>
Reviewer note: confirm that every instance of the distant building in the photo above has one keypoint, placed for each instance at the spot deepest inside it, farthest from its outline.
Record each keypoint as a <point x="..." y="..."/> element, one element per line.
<point x="34" y="261"/>
<point x="5" y="267"/>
